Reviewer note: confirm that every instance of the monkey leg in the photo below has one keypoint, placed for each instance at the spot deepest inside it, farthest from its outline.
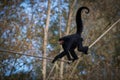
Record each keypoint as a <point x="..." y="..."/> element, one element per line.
<point x="73" y="54"/>
<point x="59" y="56"/>
<point x="68" y="55"/>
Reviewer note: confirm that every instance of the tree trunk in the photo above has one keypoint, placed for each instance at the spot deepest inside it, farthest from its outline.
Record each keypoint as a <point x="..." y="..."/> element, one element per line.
<point x="62" y="63"/>
<point x="70" y="17"/>
<point x="45" y="41"/>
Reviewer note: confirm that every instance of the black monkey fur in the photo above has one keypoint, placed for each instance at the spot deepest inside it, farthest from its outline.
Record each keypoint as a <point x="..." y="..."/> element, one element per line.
<point x="70" y="42"/>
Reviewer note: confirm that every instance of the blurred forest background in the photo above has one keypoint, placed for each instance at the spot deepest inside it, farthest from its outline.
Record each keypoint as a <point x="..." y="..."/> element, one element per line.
<point x="33" y="27"/>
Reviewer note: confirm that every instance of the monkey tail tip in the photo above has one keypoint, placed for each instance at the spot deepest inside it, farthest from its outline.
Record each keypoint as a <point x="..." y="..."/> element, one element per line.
<point x="87" y="10"/>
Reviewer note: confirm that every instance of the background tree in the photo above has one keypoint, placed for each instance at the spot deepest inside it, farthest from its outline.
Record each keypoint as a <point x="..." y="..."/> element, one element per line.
<point x="45" y="41"/>
<point x="22" y="27"/>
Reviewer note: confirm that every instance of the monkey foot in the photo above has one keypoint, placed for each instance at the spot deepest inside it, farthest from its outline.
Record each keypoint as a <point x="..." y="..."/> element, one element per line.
<point x="85" y="50"/>
<point x="74" y="59"/>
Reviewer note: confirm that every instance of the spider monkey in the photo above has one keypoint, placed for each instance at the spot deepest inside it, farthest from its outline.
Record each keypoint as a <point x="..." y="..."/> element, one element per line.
<point x="70" y="42"/>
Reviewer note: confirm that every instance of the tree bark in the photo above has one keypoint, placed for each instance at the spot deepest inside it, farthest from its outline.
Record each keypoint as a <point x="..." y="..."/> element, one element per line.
<point x="70" y="17"/>
<point x="45" y="41"/>
<point x="62" y="63"/>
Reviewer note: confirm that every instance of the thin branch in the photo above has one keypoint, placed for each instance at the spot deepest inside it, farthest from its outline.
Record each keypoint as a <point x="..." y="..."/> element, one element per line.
<point x="51" y="71"/>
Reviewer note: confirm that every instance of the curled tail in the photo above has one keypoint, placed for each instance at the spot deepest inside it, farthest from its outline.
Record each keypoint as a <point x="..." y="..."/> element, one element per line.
<point x="79" y="20"/>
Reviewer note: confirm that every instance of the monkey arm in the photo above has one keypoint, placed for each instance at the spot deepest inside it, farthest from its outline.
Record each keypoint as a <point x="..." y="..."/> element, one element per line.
<point x="82" y="48"/>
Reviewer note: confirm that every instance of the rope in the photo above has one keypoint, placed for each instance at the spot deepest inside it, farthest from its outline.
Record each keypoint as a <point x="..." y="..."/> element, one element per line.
<point x="21" y="53"/>
<point x="93" y="44"/>
<point x="104" y="34"/>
